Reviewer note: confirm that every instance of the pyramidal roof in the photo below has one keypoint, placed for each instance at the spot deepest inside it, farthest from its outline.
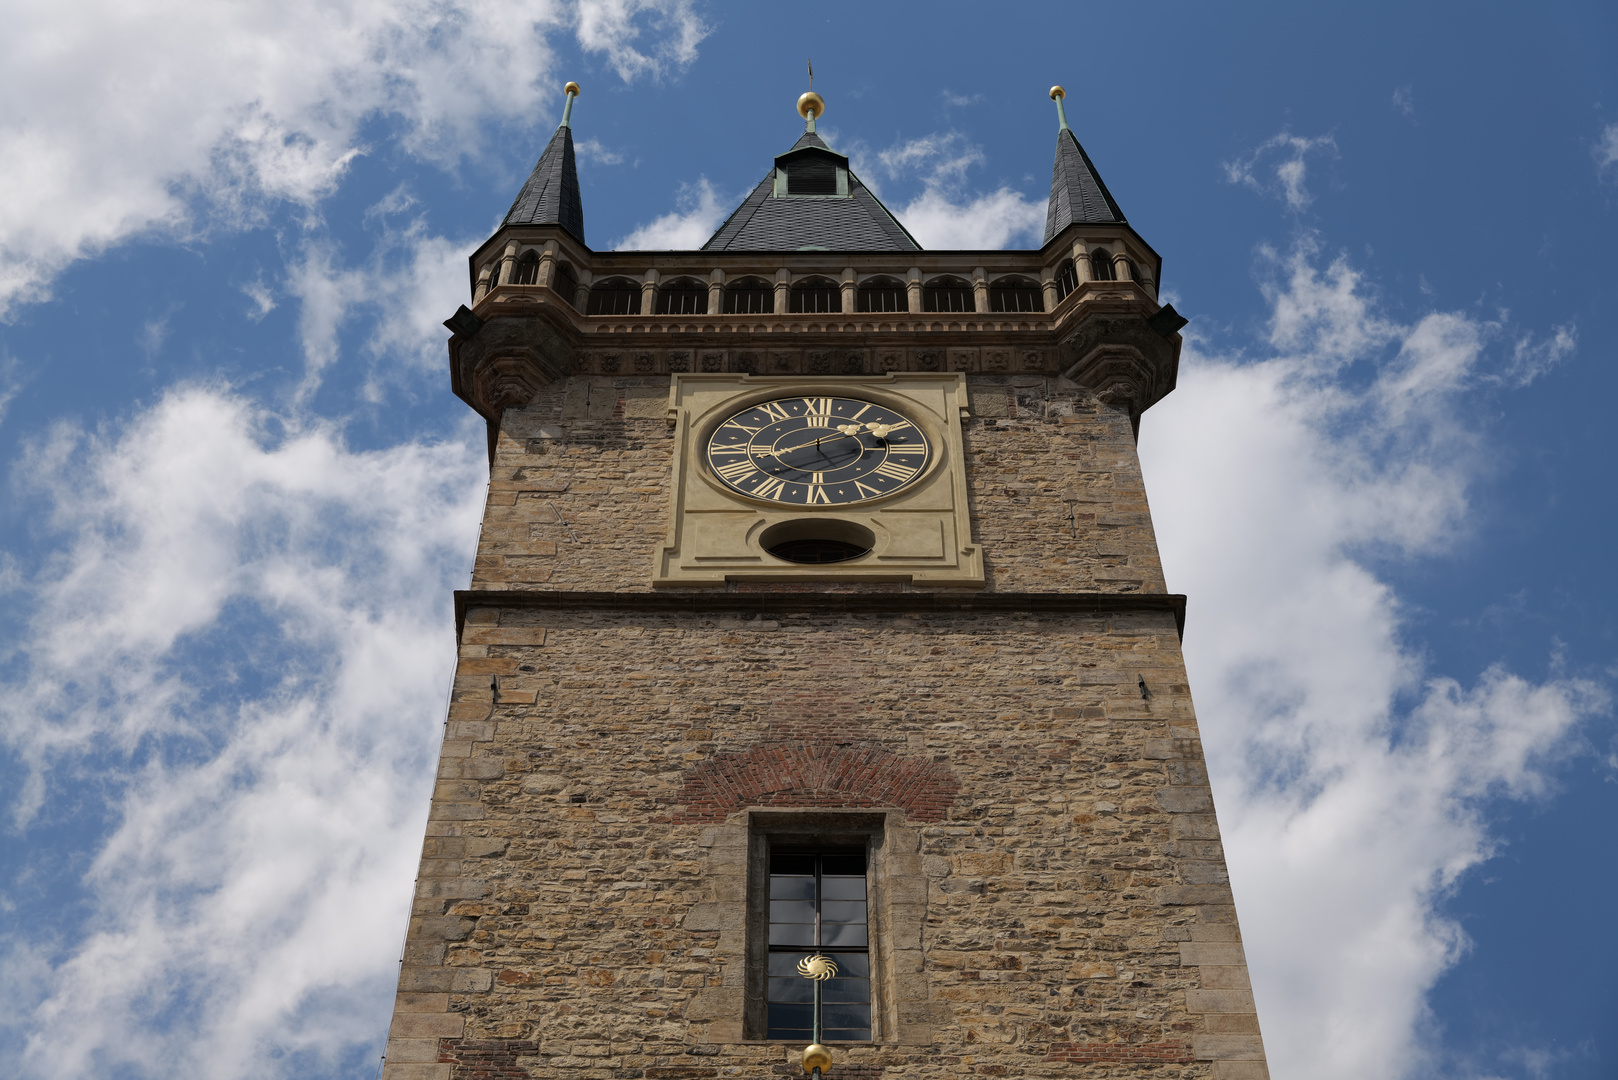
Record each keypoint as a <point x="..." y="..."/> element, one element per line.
<point x="1077" y="194"/>
<point x="551" y="195"/>
<point x="772" y="219"/>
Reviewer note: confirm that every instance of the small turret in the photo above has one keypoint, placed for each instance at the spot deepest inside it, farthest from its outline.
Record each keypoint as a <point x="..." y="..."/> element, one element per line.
<point x="551" y="195"/>
<point x="1078" y="197"/>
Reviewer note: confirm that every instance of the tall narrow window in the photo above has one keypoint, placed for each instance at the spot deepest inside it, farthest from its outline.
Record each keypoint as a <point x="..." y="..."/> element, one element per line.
<point x="527" y="270"/>
<point x="818" y="905"/>
<point x="947" y="294"/>
<point x="615" y="296"/>
<point x="1101" y="265"/>
<point x="683" y="296"/>
<point x="749" y="296"/>
<point x="815" y="296"/>
<point x="1067" y="279"/>
<point x="882" y="294"/>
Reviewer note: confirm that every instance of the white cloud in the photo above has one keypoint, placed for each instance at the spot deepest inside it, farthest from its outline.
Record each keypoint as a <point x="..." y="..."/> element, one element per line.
<point x="1281" y="164"/>
<point x="1530" y="358"/>
<point x="593" y="151"/>
<point x="407" y="282"/>
<point x="1404" y="102"/>
<point x="701" y="211"/>
<point x="946" y="214"/>
<point x="131" y="117"/>
<point x="245" y="640"/>
<point x="1606" y="148"/>
<point x="1347" y="816"/>
<point x="612" y="27"/>
<point x="998" y="220"/>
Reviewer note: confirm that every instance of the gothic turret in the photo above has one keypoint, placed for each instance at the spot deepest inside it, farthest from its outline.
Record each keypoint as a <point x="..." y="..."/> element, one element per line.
<point x="1078" y="197"/>
<point x="551" y="195"/>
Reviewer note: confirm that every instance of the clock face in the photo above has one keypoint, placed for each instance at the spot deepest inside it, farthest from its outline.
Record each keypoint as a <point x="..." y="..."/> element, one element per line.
<point x="818" y="451"/>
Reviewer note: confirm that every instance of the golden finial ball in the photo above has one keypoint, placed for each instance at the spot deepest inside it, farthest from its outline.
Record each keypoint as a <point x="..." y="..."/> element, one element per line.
<point x="811" y="100"/>
<point x="1057" y="93"/>
<point x="815" y="1057"/>
<point x="571" y="88"/>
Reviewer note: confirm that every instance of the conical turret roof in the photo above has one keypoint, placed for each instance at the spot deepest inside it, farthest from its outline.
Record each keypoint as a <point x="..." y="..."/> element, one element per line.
<point x="551" y="195"/>
<point x="1077" y="194"/>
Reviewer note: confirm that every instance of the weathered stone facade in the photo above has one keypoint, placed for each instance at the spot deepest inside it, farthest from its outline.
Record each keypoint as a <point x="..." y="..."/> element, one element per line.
<point x="1020" y="758"/>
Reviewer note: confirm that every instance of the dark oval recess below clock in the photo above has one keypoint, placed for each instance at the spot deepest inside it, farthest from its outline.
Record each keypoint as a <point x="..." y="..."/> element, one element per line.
<point x="818" y="451"/>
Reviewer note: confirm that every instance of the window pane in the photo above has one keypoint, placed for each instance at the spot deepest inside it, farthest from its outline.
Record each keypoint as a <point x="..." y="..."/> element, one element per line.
<point x="791" y="1021"/>
<point x="843" y="865"/>
<point x="841" y="990"/>
<point x="832" y="934"/>
<point x="785" y="963"/>
<point x="798" y="911"/>
<point x="845" y="1016"/>
<point x="841" y="888"/>
<point x="797" y="989"/>
<point x="792" y="864"/>
<point x="836" y="911"/>
<point x="801" y="934"/>
<point x="857" y="965"/>
<point x="784" y="887"/>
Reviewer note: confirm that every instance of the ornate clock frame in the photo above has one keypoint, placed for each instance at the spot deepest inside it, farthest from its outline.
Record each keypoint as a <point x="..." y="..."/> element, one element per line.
<point x="921" y="533"/>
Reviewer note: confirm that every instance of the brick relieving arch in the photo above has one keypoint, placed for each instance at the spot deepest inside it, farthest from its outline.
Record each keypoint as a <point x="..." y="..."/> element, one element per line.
<point x="814" y="774"/>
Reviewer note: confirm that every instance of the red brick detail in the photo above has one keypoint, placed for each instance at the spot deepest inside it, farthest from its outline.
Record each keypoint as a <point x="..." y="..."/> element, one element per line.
<point x="814" y="774"/>
<point x="1172" y="1051"/>
<point x="486" y="1059"/>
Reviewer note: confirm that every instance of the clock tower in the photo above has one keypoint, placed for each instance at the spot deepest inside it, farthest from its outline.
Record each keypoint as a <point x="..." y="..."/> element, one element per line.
<point x="817" y="626"/>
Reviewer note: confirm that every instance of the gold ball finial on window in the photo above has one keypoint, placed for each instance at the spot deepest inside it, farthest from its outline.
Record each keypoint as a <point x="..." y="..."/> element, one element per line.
<point x="1057" y="93"/>
<point x="811" y="101"/>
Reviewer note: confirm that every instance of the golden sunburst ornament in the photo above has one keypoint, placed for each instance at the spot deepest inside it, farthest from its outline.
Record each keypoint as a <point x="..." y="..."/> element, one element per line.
<point x="817" y="967"/>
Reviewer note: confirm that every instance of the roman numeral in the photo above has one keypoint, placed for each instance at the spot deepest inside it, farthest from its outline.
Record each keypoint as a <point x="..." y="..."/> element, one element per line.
<point x="817" y="494"/>
<point x="895" y="471"/>
<point x="743" y="427"/>
<point x="866" y="492"/>
<point x="902" y="449"/>
<point x="729" y="448"/>
<point x="773" y="410"/>
<point x="735" y="470"/>
<point x="818" y="411"/>
<point x="859" y="414"/>
<point x="770" y="488"/>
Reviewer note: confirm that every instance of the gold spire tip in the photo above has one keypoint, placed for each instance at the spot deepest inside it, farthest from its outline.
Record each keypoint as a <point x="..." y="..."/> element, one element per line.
<point x="1057" y="93"/>
<point x="571" y="88"/>
<point x="811" y="101"/>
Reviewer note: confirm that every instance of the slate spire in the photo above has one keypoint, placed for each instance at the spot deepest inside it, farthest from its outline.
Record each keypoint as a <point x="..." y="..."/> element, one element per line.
<point x="811" y="200"/>
<point x="1077" y="193"/>
<point x="551" y="195"/>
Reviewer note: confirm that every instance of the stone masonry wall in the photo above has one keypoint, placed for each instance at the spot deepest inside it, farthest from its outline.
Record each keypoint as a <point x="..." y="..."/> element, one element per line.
<point x="1052" y="897"/>
<point x="578" y="490"/>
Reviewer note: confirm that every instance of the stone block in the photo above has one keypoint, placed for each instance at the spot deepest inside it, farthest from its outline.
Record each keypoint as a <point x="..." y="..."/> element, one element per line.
<point x="1214" y="953"/>
<point x="1228" y="1047"/>
<point x="1219" y="1001"/>
<point x="1225" y="978"/>
<point x="415" y="1071"/>
<point x="427" y="1026"/>
<point x="1226" y="1069"/>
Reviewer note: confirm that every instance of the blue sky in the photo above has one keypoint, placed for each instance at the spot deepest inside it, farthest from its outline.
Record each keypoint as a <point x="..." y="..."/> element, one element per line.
<point x="239" y="491"/>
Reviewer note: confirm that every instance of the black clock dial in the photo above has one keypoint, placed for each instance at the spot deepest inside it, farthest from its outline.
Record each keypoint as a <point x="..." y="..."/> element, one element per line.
<point x="818" y="451"/>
